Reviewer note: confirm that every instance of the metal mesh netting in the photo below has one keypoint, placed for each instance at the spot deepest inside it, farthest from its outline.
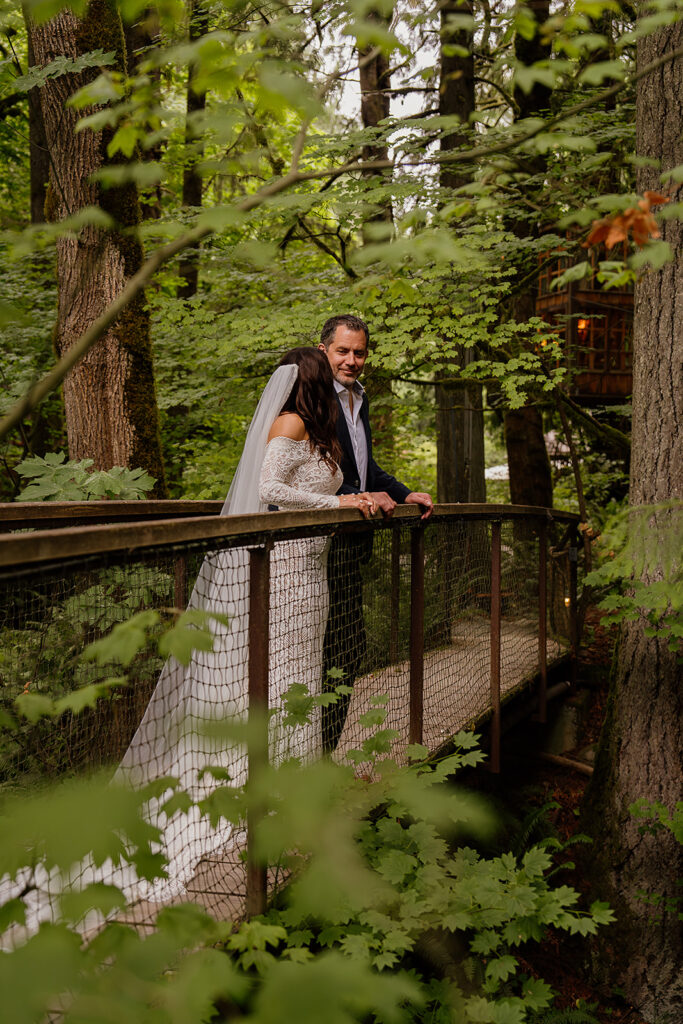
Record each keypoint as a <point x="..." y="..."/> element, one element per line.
<point x="339" y="612"/>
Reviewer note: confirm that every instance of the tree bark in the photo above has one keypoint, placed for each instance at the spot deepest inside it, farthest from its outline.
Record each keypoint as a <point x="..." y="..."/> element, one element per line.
<point x="527" y="456"/>
<point x="640" y="749"/>
<point x="194" y="151"/>
<point x="528" y="462"/>
<point x="39" y="157"/>
<point x="109" y="397"/>
<point x="375" y="100"/>
<point x="375" y="105"/>
<point x="459" y="408"/>
<point x="140" y="37"/>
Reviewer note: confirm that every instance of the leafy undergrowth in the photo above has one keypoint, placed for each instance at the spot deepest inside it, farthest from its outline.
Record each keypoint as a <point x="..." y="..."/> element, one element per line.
<point x="562" y="960"/>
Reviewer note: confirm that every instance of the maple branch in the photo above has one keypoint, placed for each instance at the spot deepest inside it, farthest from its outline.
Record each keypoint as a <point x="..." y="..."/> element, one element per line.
<point x="140" y="279"/>
<point x="136" y="284"/>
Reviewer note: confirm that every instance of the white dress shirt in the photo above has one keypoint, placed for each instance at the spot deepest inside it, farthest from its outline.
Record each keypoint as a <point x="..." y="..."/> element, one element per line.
<point x="359" y="441"/>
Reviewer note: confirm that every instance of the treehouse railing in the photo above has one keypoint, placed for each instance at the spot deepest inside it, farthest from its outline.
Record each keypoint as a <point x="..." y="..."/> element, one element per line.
<point x="458" y="613"/>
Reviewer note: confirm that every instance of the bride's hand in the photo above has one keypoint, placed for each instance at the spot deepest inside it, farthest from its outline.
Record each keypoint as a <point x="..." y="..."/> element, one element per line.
<point x="363" y="502"/>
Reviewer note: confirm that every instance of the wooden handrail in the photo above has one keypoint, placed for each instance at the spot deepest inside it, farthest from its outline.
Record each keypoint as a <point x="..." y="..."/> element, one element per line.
<point x="65" y="544"/>
<point x="49" y="514"/>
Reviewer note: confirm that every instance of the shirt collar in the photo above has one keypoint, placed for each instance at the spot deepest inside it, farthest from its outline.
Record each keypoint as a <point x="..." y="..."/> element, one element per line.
<point x="357" y="388"/>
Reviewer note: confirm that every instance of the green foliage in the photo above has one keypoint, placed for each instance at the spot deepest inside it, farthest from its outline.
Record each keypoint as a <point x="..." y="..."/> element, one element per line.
<point x="642" y="572"/>
<point x="380" y="868"/>
<point x="605" y="483"/>
<point x="55" y="479"/>
<point x="383" y="868"/>
<point x="376" y="869"/>
<point x="37" y="76"/>
<point x="657" y="818"/>
<point x="437" y="282"/>
<point x="189" y="631"/>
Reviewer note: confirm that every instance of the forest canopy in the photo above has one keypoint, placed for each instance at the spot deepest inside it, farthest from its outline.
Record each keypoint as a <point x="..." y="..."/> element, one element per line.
<point x="251" y="169"/>
<point x="190" y="188"/>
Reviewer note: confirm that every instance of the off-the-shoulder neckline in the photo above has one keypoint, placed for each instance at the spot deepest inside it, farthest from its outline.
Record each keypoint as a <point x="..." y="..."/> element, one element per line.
<point x="283" y="437"/>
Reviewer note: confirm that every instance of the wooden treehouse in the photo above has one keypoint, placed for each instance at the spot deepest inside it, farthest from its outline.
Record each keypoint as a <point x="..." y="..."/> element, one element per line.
<point x="598" y="329"/>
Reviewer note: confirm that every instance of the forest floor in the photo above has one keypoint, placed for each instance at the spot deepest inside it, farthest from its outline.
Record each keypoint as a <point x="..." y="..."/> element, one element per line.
<point x="531" y="783"/>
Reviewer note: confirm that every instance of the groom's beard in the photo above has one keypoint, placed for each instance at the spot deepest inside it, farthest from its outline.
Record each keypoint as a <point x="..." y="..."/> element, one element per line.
<point x="347" y="380"/>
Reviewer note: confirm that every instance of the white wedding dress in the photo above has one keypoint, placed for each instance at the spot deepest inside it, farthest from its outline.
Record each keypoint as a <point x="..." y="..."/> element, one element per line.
<point x="171" y="739"/>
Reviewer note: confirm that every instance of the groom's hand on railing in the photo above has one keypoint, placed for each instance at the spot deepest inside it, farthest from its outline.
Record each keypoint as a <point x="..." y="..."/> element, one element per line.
<point x="383" y="502"/>
<point x="423" y="499"/>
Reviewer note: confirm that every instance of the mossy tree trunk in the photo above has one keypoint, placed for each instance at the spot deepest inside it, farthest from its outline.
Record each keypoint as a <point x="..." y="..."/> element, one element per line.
<point x="528" y="464"/>
<point x="194" y="151"/>
<point x="459" y="408"/>
<point x="109" y="397"/>
<point x="642" y="740"/>
<point x="39" y="158"/>
<point x="141" y="37"/>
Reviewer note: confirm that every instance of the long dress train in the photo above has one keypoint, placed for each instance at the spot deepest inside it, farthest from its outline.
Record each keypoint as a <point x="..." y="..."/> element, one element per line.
<point x="171" y="739"/>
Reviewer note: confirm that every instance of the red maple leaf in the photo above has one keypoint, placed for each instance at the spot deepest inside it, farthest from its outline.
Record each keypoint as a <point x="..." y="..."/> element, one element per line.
<point x="636" y="220"/>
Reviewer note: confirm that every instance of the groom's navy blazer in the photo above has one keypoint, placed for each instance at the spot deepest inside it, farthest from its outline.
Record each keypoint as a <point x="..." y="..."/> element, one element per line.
<point x="377" y="479"/>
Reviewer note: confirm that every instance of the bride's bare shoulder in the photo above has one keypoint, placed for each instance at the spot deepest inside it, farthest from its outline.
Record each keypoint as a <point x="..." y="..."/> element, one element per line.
<point x="288" y="424"/>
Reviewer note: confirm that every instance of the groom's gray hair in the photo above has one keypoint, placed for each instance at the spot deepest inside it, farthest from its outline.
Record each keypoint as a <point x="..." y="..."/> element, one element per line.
<point x="354" y="323"/>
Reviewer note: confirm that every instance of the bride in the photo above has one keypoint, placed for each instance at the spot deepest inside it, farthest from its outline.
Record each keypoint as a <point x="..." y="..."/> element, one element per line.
<point x="290" y="460"/>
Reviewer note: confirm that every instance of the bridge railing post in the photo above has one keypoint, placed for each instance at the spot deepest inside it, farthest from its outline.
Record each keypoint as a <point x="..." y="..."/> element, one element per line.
<point x="573" y="605"/>
<point x="543" y="621"/>
<point x="257" y="741"/>
<point x="495" y="643"/>
<point x="395" y="592"/>
<point x="180" y="582"/>
<point x="417" y="607"/>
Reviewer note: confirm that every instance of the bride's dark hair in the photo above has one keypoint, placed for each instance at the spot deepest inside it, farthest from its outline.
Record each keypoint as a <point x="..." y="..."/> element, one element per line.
<point x="313" y="399"/>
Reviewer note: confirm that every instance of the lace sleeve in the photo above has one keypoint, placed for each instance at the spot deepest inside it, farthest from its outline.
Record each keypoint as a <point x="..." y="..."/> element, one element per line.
<point x="283" y="457"/>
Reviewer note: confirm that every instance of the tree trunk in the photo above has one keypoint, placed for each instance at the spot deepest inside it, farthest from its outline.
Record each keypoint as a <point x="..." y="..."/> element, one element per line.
<point x="527" y="458"/>
<point x="194" y="152"/>
<point x="39" y="158"/>
<point x="459" y="409"/>
<point x="140" y="37"/>
<point x="528" y="462"/>
<point x="640" y="749"/>
<point x="109" y="397"/>
<point x="375" y="101"/>
<point x="375" y="105"/>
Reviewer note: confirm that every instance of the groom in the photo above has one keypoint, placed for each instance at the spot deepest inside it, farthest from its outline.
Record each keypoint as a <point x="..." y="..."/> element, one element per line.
<point x="345" y="339"/>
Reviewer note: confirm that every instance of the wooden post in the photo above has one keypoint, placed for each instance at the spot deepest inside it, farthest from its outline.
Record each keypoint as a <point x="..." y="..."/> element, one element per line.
<point x="395" y="593"/>
<point x="543" y="621"/>
<point x="495" y="645"/>
<point x="417" y="606"/>
<point x="180" y="583"/>
<point x="573" y="605"/>
<point x="257" y="747"/>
